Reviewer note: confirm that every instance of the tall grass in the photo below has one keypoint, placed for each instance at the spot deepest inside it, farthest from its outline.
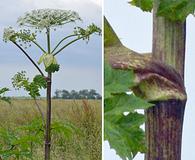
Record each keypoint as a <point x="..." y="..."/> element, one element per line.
<point x="85" y="115"/>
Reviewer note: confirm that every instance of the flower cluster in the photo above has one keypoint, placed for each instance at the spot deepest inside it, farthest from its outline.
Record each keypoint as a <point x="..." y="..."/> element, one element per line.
<point x="24" y="36"/>
<point x="85" y="33"/>
<point x="46" y="18"/>
<point x="9" y="34"/>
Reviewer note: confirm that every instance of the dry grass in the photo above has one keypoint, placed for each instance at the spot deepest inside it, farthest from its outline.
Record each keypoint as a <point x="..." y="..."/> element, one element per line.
<point x="85" y="115"/>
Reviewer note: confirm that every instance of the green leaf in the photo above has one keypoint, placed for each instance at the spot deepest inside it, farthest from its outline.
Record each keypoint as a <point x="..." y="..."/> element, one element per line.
<point x="40" y="81"/>
<point x="3" y="90"/>
<point x="2" y="97"/>
<point x="33" y="88"/>
<point x="145" y="5"/>
<point x="124" y="135"/>
<point x="117" y="81"/>
<point x="50" y="62"/>
<point x="121" y="103"/>
<point x="176" y="10"/>
<point x="123" y="132"/>
<point x="53" y="68"/>
<point x="132" y="120"/>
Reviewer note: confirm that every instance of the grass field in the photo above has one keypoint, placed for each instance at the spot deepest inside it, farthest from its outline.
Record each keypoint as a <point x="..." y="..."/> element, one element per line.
<point x="83" y="142"/>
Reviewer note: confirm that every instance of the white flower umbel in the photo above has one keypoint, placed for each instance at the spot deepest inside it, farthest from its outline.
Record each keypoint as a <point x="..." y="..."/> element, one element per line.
<point x="46" y="18"/>
<point x="8" y="34"/>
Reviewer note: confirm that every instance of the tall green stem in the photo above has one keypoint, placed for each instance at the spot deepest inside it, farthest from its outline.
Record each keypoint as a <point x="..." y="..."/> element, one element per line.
<point x="48" y="40"/>
<point x="69" y="44"/>
<point x="165" y="120"/>
<point x="48" y="115"/>
<point x="62" y="41"/>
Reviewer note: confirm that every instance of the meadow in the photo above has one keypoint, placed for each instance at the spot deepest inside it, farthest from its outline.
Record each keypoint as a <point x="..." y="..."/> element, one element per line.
<point x="76" y="132"/>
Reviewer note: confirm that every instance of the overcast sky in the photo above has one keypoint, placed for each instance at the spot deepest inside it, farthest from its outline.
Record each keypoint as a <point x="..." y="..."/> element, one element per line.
<point x="80" y="64"/>
<point x="134" y="28"/>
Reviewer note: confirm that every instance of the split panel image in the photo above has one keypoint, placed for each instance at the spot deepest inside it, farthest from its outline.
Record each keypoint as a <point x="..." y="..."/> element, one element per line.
<point x="51" y="80"/>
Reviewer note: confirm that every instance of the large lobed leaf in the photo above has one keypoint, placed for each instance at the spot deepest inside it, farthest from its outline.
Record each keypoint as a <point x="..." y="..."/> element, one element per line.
<point x="123" y="132"/>
<point x="33" y="88"/>
<point x="120" y="103"/>
<point x="116" y="81"/>
<point x="175" y="10"/>
<point x="145" y="5"/>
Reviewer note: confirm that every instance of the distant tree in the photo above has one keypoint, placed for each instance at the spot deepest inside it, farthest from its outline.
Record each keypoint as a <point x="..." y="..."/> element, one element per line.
<point x="92" y="94"/>
<point x="57" y="94"/>
<point x="82" y="94"/>
<point x="74" y="94"/>
<point x="65" y="94"/>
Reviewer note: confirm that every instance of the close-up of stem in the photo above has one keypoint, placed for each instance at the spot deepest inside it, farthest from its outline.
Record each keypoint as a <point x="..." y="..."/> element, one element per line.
<point x="165" y="120"/>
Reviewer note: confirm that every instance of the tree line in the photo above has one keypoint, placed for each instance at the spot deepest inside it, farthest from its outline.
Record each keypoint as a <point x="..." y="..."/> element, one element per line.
<point x="82" y="94"/>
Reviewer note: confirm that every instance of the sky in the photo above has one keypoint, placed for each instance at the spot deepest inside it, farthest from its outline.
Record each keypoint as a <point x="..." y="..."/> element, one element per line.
<point x="134" y="28"/>
<point x="80" y="63"/>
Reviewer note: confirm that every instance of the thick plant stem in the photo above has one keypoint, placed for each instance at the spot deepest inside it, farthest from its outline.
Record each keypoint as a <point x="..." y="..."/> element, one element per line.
<point x="48" y="114"/>
<point x="169" y="41"/>
<point x="165" y="120"/>
<point x="164" y="130"/>
<point x="48" y="119"/>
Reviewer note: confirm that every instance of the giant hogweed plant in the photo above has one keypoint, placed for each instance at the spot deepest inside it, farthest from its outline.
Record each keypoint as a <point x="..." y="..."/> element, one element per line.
<point x="156" y="78"/>
<point x="44" y="21"/>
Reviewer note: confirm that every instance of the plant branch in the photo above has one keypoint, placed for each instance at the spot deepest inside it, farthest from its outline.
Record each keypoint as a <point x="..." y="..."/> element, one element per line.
<point x="40" y="111"/>
<point x="62" y="41"/>
<point x="26" y="54"/>
<point x="39" y="46"/>
<point x="69" y="44"/>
